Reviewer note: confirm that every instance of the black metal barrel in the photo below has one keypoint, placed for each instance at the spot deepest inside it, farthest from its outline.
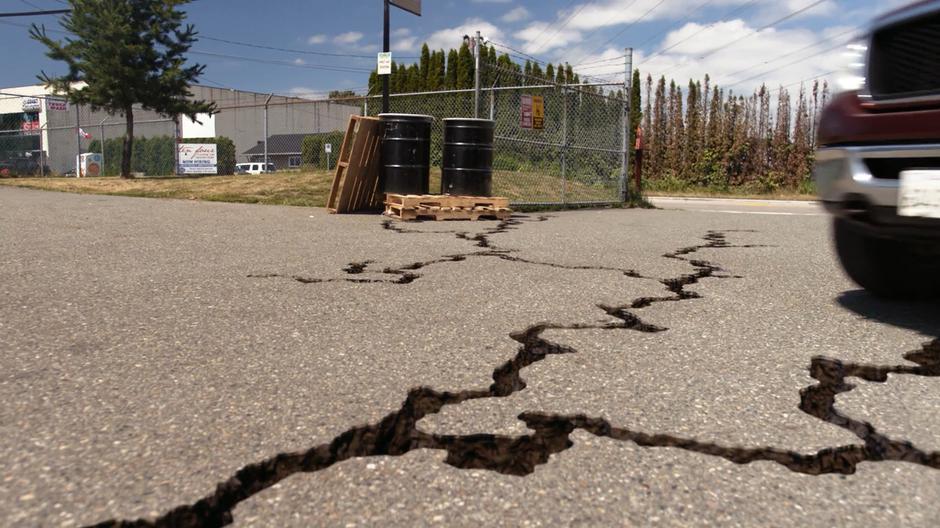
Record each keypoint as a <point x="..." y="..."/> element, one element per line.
<point x="467" y="166"/>
<point x="406" y="153"/>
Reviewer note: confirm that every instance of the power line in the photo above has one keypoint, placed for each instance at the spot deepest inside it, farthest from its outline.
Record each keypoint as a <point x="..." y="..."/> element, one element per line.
<point x="752" y="33"/>
<point x="790" y="54"/>
<point x="525" y="56"/>
<point x="695" y="34"/>
<point x="691" y="14"/>
<point x="544" y="29"/>
<point x="820" y="76"/>
<point x="628" y="26"/>
<point x="802" y="59"/>
<point x="564" y="24"/>
<point x="36" y="13"/>
<point x="290" y="50"/>
<point x="282" y="63"/>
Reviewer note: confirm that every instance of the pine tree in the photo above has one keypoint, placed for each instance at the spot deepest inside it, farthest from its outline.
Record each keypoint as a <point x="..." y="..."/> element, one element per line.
<point x="425" y="63"/>
<point x="550" y="72"/>
<point x="452" y="60"/>
<point x="128" y="52"/>
<point x="659" y="137"/>
<point x="464" y="68"/>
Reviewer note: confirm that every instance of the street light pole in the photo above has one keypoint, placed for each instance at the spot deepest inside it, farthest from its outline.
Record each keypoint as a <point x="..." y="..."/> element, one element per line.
<point x="385" y="49"/>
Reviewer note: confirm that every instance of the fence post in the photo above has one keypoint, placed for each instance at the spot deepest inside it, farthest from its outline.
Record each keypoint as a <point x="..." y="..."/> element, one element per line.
<point x="564" y="142"/>
<point x="493" y="104"/>
<point x="78" y="141"/>
<point x="101" y="140"/>
<point x="266" y="101"/>
<point x="628" y="96"/>
<point x="476" y="75"/>
<point x="42" y="162"/>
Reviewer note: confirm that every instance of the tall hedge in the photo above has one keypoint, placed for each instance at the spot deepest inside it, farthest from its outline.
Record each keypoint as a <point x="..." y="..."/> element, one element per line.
<point x="311" y="149"/>
<point x="155" y="156"/>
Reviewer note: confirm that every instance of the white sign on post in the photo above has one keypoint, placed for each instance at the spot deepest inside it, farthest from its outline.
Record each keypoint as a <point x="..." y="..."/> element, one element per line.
<point x="385" y="63"/>
<point x="197" y="158"/>
<point x="328" y="148"/>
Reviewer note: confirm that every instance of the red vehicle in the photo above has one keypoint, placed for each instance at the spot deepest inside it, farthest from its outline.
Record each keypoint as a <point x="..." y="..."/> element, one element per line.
<point x="878" y="165"/>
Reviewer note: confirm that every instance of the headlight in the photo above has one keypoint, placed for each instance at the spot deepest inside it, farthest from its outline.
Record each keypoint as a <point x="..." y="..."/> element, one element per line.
<point x="852" y="76"/>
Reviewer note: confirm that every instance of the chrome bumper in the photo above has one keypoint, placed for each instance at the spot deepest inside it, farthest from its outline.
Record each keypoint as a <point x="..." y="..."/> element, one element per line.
<point x="841" y="173"/>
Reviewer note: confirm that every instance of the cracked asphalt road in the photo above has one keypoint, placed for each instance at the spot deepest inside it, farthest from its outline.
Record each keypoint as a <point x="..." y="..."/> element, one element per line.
<point x="155" y="349"/>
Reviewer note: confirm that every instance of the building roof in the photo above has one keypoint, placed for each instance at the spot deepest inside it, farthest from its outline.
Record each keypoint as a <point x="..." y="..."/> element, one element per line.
<point x="280" y="144"/>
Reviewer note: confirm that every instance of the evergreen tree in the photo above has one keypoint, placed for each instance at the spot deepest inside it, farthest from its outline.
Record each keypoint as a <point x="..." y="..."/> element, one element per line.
<point x="452" y="60"/>
<point x="128" y="52"/>
<point x="550" y="72"/>
<point x="464" y="68"/>
<point x="424" y="64"/>
<point x="537" y="75"/>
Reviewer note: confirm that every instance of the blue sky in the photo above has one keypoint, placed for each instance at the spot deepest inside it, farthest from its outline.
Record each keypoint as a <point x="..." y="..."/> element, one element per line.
<point x="678" y="38"/>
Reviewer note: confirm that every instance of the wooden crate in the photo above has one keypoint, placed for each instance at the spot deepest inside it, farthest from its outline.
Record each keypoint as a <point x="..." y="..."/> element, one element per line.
<point x="356" y="182"/>
<point x="446" y="207"/>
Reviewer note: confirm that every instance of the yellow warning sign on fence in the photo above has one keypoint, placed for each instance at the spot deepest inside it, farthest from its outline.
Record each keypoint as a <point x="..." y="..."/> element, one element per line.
<point x="538" y="111"/>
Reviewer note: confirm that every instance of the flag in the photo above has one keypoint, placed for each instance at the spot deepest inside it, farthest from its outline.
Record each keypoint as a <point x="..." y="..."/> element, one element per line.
<point x="85" y="135"/>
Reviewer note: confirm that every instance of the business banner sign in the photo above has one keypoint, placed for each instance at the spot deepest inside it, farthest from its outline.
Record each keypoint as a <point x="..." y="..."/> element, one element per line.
<point x="57" y="105"/>
<point x="31" y="104"/>
<point x="198" y="158"/>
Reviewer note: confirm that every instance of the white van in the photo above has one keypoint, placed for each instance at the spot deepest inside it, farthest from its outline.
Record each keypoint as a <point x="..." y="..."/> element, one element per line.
<point x="253" y="168"/>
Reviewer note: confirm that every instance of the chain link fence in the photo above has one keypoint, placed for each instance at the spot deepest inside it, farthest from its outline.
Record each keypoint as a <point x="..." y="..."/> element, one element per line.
<point x="575" y="157"/>
<point x="554" y="143"/>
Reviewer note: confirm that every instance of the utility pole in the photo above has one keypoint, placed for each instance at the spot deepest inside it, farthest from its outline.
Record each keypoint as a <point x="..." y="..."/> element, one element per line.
<point x="627" y="113"/>
<point x="477" y="43"/>
<point x="266" y="101"/>
<point x="385" y="49"/>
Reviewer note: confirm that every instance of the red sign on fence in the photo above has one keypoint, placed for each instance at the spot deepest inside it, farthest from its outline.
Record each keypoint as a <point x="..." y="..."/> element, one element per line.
<point x="525" y="116"/>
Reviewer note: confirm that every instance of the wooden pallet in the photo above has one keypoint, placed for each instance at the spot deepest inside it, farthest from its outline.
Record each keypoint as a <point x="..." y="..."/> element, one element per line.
<point x="445" y="207"/>
<point x="356" y="182"/>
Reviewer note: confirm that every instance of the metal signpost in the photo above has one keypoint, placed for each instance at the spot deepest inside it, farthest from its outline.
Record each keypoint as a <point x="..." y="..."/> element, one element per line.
<point x="328" y="147"/>
<point x="412" y="6"/>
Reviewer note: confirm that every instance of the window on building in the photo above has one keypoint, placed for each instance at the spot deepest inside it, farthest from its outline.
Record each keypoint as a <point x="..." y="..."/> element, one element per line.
<point x="293" y="162"/>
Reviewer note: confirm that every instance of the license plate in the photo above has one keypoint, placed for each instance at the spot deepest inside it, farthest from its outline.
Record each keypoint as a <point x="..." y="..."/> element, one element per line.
<point x="919" y="193"/>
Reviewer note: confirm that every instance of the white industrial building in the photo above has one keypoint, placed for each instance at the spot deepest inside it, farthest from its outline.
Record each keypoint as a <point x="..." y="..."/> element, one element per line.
<point x="36" y="125"/>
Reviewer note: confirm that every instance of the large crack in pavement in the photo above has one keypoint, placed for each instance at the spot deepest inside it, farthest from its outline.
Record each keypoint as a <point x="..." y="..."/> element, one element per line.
<point x="397" y="433"/>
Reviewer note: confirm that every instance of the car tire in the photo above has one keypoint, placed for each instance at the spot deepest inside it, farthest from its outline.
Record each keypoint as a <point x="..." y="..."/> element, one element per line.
<point x="886" y="267"/>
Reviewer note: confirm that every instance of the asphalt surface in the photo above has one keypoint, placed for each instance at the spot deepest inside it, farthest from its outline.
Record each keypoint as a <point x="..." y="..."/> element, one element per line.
<point x="614" y="367"/>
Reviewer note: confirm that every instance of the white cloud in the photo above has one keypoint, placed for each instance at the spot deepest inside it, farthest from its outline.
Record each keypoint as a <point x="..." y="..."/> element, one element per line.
<point x="541" y="37"/>
<point x="401" y="32"/>
<point x="300" y="62"/>
<point x="316" y="39"/>
<point x="515" y="15"/>
<point x="453" y="37"/>
<point x="744" y="65"/>
<point x="350" y="37"/>
<point x="308" y="93"/>
<point x="491" y="1"/>
<point x="406" y="44"/>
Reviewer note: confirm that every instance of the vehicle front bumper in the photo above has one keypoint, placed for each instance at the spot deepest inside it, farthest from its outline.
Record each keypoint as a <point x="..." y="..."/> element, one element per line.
<point x="848" y="188"/>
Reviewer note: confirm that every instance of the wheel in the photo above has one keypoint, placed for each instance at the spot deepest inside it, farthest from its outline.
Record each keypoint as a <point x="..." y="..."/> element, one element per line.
<point x="891" y="268"/>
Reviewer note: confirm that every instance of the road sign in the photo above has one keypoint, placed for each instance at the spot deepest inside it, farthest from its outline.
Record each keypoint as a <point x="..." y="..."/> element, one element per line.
<point x="328" y="147"/>
<point x="412" y="6"/>
<point x="538" y="112"/>
<point x="385" y="63"/>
